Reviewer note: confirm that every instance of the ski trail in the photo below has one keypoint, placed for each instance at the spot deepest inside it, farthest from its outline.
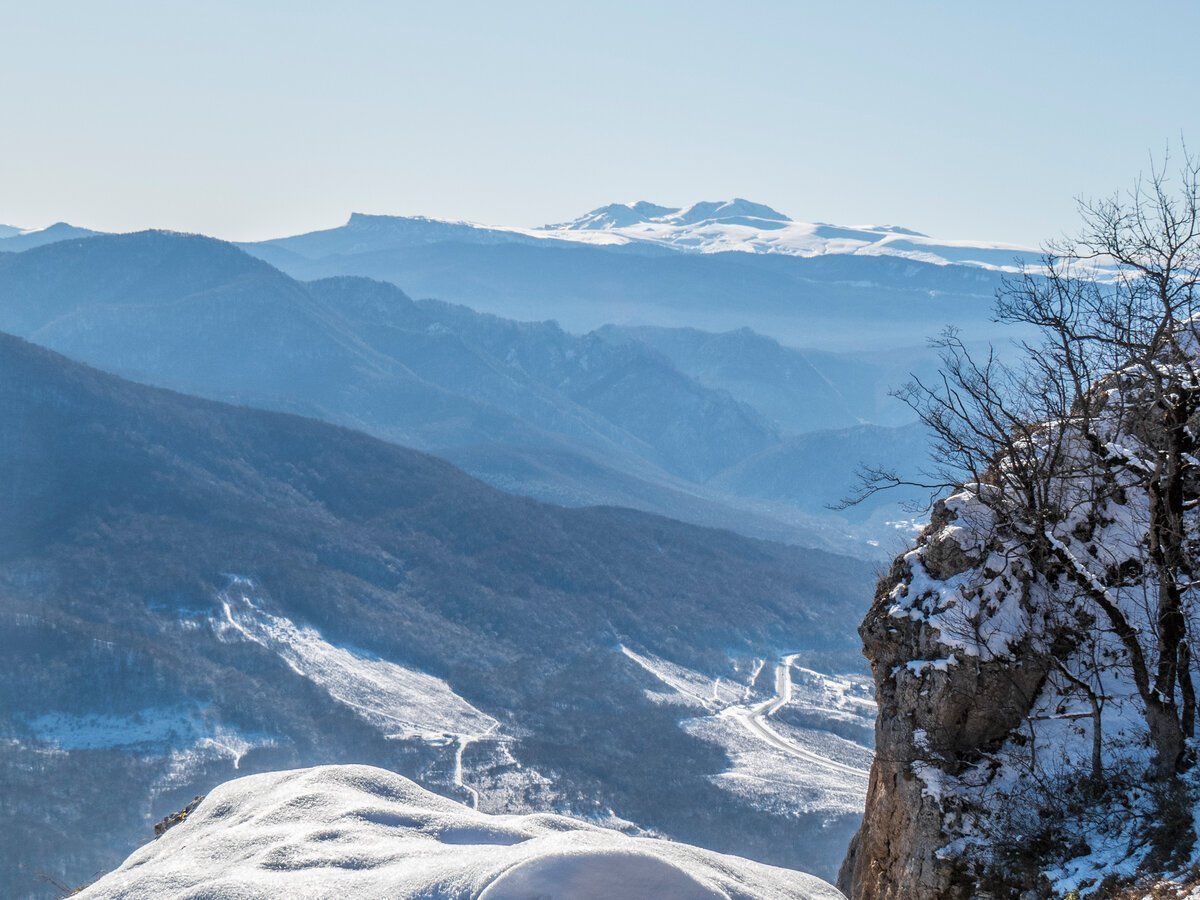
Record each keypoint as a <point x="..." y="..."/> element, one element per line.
<point x="748" y="691"/>
<point x="402" y="703"/>
<point x="759" y="665"/>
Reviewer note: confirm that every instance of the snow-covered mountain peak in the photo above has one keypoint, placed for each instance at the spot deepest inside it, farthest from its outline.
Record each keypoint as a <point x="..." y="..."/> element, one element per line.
<point x="735" y="211"/>
<point x="628" y="215"/>
<point x="615" y="215"/>
<point x="709" y="226"/>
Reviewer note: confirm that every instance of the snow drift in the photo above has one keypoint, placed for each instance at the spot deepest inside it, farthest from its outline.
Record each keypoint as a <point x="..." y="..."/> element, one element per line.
<point x="359" y="831"/>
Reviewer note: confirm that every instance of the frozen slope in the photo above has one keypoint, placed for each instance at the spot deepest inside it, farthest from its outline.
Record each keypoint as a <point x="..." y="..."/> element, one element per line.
<point x="359" y="832"/>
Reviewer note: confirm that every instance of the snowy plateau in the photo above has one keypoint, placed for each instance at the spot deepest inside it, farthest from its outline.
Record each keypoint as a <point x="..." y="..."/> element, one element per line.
<point x="720" y="226"/>
<point x="741" y="225"/>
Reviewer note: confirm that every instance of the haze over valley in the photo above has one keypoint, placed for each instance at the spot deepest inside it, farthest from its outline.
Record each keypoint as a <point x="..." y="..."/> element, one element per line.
<point x="379" y="606"/>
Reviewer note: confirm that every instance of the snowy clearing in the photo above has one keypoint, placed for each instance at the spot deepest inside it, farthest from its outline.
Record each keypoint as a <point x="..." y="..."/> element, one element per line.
<point x="777" y="765"/>
<point x="403" y="703"/>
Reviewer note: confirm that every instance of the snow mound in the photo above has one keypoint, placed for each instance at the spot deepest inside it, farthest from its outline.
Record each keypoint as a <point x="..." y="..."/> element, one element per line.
<point x="595" y="875"/>
<point x="359" y="832"/>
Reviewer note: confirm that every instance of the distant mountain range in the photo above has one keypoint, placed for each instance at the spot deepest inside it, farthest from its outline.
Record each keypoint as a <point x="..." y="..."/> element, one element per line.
<point x="190" y="590"/>
<point x="706" y="227"/>
<point x="646" y="264"/>
<point x="645" y="418"/>
<point x="672" y="382"/>
<point x="585" y="279"/>
<point x="14" y="240"/>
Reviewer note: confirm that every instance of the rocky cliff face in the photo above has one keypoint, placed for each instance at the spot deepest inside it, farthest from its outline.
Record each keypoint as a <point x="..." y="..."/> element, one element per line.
<point x="938" y="714"/>
<point x="1023" y="672"/>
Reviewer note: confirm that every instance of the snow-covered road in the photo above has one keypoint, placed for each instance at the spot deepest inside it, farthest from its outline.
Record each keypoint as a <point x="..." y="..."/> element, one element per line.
<point x="754" y="718"/>
<point x="725" y="700"/>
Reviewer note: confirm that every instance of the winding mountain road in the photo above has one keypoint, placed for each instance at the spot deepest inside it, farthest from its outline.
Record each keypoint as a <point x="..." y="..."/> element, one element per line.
<point x="755" y="719"/>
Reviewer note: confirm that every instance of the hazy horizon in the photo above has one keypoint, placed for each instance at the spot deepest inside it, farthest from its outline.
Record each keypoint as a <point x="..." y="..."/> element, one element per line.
<point x="250" y="121"/>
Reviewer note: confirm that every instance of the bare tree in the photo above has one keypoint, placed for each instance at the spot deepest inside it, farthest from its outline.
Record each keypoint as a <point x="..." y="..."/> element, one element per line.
<point x="1100" y="413"/>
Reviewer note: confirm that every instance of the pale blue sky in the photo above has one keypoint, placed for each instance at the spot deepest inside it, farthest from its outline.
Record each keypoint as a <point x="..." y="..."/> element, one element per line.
<point x="252" y="119"/>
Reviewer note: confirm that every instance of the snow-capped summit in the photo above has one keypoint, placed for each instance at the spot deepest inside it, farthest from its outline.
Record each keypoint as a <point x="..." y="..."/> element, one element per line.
<point x="615" y="215"/>
<point x="627" y="215"/>
<point x="735" y="211"/>
<point x="715" y="226"/>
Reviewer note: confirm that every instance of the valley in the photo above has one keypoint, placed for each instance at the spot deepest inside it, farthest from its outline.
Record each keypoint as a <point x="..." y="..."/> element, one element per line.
<point x="192" y="591"/>
<point x="528" y="407"/>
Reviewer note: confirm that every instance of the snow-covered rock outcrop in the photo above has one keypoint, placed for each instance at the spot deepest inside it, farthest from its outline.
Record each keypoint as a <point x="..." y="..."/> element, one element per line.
<point x="1024" y="669"/>
<point x="363" y="832"/>
<point x="942" y="707"/>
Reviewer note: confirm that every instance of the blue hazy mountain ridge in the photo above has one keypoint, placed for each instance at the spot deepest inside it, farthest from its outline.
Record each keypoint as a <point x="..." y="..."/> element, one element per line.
<point x="799" y="390"/>
<point x="192" y="590"/>
<point x="536" y="274"/>
<point x="14" y="240"/>
<point x="836" y="301"/>
<point x="364" y="233"/>
<point x="507" y="362"/>
<point x="597" y="418"/>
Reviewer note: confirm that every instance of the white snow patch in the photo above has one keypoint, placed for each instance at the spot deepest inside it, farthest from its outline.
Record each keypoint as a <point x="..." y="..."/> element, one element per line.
<point x="183" y="733"/>
<point x="403" y="703"/>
